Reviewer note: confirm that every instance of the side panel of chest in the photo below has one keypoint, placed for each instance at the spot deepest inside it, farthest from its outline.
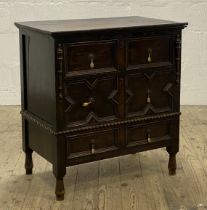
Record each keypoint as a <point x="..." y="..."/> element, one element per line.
<point x="38" y="75"/>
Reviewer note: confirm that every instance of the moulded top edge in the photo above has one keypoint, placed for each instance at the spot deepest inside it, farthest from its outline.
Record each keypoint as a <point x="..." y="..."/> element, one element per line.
<point x="76" y="25"/>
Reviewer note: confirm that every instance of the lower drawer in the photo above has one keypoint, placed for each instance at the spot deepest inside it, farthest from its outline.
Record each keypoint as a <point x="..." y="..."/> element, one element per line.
<point x="149" y="133"/>
<point x="91" y="143"/>
<point x="100" y="144"/>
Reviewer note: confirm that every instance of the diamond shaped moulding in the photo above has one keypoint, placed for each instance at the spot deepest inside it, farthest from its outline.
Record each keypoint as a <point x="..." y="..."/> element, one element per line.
<point x="113" y="96"/>
<point x="70" y="103"/>
<point x="129" y="95"/>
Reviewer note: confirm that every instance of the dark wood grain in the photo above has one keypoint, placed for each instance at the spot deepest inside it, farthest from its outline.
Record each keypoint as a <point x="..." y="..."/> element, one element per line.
<point x="91" y="143"/>
<point x="80" y="55"/>
<point x="149" y="133"/>
<point x="158" y="48"/>
<point x="99" y="88"/>
<point x="61" y="26"/>
<point x="153" y="94"/>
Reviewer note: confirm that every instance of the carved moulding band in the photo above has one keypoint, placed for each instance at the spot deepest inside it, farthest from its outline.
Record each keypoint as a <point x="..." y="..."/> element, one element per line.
<point x="41" y="123"/>
<point x="45" y="125"/>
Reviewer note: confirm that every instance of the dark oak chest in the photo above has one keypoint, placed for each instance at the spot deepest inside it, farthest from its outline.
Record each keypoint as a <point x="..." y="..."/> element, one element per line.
<point x="99" y="88"/>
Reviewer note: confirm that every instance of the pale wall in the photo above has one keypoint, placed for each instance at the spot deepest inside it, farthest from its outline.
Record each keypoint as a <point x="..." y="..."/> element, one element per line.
<point x="194" y="73"/>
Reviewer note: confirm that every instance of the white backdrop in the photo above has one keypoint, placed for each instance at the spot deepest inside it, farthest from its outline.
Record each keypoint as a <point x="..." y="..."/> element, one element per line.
<point x="194" y="54"/>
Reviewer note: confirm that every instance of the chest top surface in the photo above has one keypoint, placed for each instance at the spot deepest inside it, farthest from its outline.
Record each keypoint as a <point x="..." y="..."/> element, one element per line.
<point x="72" y="25"/>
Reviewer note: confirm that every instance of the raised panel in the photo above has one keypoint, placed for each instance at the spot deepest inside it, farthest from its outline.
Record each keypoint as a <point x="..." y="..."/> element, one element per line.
<point x="149" y="93"/>
<point x="90" y="101"/>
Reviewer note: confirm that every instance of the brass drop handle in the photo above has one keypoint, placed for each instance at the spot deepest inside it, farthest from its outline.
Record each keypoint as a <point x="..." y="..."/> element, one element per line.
<point x="149" y="59"/>
<point x="87" y="103"/>
<point x="149" y="140"/>
<point x="148" y="96"/>
<point x="92" y="147"/>
<point x="91" y="57"/>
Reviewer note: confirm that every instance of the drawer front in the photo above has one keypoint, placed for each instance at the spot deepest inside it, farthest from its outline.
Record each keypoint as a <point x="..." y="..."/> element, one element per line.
<point x="90" y="55"/>
<point x="150" y="51"/>
<point x="90" y="101"/>
<point x="150" y="93"/>
<point x="91" y="143"/>
<point x="149" y="133"/>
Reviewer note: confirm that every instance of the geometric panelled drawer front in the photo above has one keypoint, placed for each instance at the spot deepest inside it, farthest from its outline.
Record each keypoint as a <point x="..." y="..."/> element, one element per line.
<point x="149" y="133"/>
<point x="90" y="55"/>
<point x="149" y="51"/>
<point x="90" y="100"/>
<point x="149" y="93"/>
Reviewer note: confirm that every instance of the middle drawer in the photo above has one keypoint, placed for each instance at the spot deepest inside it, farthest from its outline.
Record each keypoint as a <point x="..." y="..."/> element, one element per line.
<point x="151" y="93"/>
<point x="90" y="100"/>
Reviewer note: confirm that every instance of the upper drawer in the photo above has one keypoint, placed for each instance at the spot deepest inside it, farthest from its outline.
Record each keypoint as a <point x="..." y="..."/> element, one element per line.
<point x="150" y="51"/>
<point x="90" y="55"/>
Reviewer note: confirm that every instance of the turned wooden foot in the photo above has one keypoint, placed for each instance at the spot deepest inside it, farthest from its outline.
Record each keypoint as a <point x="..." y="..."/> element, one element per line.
<point x="59" y="190"/>
<point x="59" y="167"/>
<point x="172" y="165"/>
<point x="28" y="161"/>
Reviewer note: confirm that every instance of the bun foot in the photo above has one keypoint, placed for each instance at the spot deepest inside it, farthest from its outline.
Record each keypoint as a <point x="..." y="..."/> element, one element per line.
<point x="60" y="197"/>
<point x="172" y="165"/>
<point x="28" y="161"/>
<point x="59" y="190"/>
<point x="172" y="172"/>
<point x="28" y="171"/>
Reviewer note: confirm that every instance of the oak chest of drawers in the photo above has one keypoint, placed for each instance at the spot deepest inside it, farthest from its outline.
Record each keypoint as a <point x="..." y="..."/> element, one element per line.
<point x="99" y="88"/>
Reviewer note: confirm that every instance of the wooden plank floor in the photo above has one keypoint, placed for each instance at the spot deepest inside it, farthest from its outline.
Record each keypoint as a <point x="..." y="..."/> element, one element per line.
<point x="132" y="182"/>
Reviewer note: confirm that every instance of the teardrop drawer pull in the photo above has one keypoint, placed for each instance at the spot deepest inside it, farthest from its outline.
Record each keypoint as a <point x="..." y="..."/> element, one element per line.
<point x="92" y="147"/>
<point x="148" y="96"/>
<point x="91" y="56"/>
<point x="149" y="140"/>
<point x="149" y="59"/>
<point x="148" y="100"/>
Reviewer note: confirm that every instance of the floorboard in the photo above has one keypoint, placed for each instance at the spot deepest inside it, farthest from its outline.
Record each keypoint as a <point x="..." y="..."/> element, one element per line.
<point x="133" y="182"/>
